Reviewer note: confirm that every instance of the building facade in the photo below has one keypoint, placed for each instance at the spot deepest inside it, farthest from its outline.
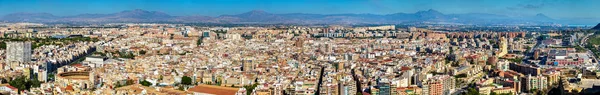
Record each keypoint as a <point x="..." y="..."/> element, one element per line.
<point x="18" y="52"/>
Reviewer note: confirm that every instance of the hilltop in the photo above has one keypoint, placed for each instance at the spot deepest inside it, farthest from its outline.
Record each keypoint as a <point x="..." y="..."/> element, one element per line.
<point x="597" y="27"/>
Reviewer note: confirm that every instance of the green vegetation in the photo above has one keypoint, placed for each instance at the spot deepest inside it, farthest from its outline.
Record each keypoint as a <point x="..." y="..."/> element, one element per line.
<point x="23" y="83"/>
<point x="449" y="58"/>
<point x="51" y="76"/>
<point x="250" y="88"/>
<point x="577" y="48"/>
<point x="145" y="83"/>
<point x="142" y="52"/>
<point x="454" y="64"/>
<point x="3" y="45"/>
<point x="437" y="73"/>
<point x="516" y="60"/>
<point x="460" y="76"/>
<point x="494" y="93"/>
<point x="220" y="31"/>
<point x="459" y="82"/>
<point x="218" y="82"/>
<point x="186" y="80"/>
<point x="3" y="80"/>
<point x="247" y="36"/>
<point x="180" y="88"/>
<point x="200" y="40"/>
<point x="99" y="53"/>
<point x="528" y="42"/>
<point x="472" y="91"/>
<point x="336" y="65"/>
<point x="118" y="84"/>
<point x="559" y="37"/>
<point x="128" y="55"/>
<point x="37" y="42"/>
<point x="592" y="42"/>
<point x="129" y="82"/>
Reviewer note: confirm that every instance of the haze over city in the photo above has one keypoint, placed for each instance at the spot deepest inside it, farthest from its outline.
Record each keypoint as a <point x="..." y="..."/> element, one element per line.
<point x="299" y="47"/>
<point x="574" y="12"/>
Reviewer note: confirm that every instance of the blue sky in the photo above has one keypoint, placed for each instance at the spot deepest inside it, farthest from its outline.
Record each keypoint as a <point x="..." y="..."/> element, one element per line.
<point x="551" y="8"/>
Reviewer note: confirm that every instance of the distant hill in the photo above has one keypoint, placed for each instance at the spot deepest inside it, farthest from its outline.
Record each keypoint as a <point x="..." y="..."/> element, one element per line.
<point x="261" y="17"/>
<point x="29" y="17"/>
<point x="597" y="27"/>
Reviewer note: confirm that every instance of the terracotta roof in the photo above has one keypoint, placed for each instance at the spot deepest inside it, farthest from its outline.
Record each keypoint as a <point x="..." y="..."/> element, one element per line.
<point x="69" y="88"/>
<point x="8" y="85"/>
<point x="135" y="88"/>
<point x="217" y="90"/>
<point x="77" y="65"/>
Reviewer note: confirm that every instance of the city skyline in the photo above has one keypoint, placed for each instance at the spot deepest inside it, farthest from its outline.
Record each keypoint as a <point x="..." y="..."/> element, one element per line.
<point x="299" y="47"/>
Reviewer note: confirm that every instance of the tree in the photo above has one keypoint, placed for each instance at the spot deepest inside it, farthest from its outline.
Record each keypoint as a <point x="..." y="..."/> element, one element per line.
<point x="493" y="93"/>
<point x="22" y="83"/>
<point x="3" y="80"/>
<point x="509" y="93"/>
<point x="472" y="91"/>
<point x="142" y="52"/>
<point x="118" y="84"/>
<point x="35" y="83"/>
<point x="18" y="83"/>
<point x="181" y="88"/>
<point x="200" y="40"/>
<point x="129" y="82"/>
<point x="51" y="76"/>
<point x="460" y="76"/>
<point x="186" y="80"/>
<point x="126" y="55"/>
<point x="218" y="82"/>
<point x="335" y="65"/>
<point x="250" y="88"/>
<point x="145" y="83"/>
<point x="3" y="45"/>
<point x="516" y="60"/>
<point x="533" y="90"/>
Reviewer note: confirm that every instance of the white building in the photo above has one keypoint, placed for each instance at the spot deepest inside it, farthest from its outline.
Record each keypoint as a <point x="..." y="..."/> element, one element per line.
<point x="7" y="89"/>
<point x="18" y="52"/>
<point x="95" y="61"/>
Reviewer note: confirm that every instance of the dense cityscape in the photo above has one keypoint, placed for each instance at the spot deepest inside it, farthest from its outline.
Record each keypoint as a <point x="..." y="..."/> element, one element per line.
<point x="294" y="60"/>
<point x="531" y="50"/>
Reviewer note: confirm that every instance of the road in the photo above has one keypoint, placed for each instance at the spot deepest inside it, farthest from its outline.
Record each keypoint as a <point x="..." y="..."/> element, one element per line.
<point x="462" y="88"/>
<point x="584" y="39"/>
<point x="529" y="52"/>
<point x="583" y="43"/>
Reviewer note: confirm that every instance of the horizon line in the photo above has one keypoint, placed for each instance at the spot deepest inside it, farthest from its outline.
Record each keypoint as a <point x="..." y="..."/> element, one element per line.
<point x="293" y="13"/>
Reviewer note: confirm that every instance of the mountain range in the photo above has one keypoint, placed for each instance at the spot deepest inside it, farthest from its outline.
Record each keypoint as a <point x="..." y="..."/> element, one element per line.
<point x="261" y="17"/>
<point x="597" y="27"/>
